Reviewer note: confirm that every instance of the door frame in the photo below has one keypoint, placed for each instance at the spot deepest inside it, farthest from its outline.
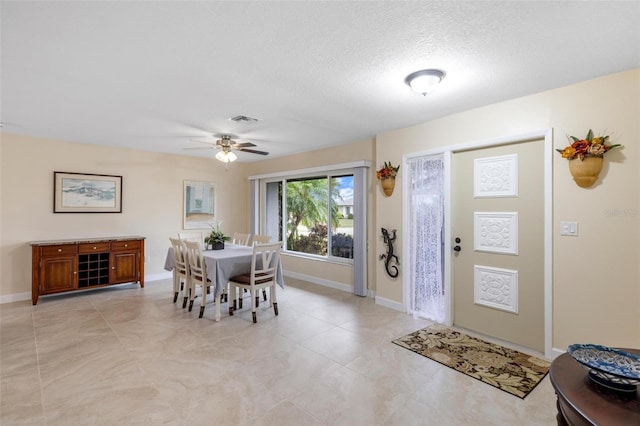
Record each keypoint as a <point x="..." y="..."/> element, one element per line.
<point x="448" y="151"/>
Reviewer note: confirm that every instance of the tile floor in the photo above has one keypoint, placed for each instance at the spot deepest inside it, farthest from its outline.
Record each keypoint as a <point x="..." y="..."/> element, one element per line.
<point x="128" y="356"/>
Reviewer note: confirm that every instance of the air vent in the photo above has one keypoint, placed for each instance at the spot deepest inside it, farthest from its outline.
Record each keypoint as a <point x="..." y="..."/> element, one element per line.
<point x="244" y="119"/>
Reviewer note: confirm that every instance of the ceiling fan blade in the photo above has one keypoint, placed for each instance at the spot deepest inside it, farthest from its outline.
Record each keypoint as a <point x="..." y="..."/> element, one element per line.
<point x="253" y="151"/>
<point x="244" y="145"/>
<point x="204" y="142"/>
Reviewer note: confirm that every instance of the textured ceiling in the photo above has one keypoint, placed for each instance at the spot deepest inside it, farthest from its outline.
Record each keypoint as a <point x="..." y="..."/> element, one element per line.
<point x="153" y="75"/>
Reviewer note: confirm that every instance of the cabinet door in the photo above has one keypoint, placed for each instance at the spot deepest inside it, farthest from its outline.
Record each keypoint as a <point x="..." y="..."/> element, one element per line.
<point x="58" y="274"/>
<point x="124" y="267"/>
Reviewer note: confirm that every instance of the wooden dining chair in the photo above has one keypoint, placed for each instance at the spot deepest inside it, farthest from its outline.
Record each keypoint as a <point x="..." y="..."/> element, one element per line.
<point x="241" y="239"/>
<point x="264" y="263"/>
<point x="197" y="274"/>
<point x="181" y="269"/>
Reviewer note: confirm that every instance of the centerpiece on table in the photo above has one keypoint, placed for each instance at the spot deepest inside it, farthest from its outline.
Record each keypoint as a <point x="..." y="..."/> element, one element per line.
<point x="216" y="238"/>
<point x="586" y="157"/>
<point x="387" y="176"/>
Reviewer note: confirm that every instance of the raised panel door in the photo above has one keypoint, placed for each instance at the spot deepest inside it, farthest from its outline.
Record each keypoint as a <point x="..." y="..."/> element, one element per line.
<point x="58" y="274"/>
<point x="124" y="267"/>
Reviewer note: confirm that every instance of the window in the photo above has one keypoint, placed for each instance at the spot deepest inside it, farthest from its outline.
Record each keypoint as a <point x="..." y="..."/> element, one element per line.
<point x="342" y="237"/>
<point x="317" y="213"/>
<point x="346" y="187"/>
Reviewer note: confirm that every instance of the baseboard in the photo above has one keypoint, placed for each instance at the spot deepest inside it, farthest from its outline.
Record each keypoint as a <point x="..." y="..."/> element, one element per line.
<point x="326" y="283"/>
<point x="158" y="277"/>
<point x="555" y="353"/>
<point x="320" y="281"/>
<point x="18" y="297"/>
<point x="9" y="298"/>
<point x="296" y="275"/>
<point x="391" y="304"/>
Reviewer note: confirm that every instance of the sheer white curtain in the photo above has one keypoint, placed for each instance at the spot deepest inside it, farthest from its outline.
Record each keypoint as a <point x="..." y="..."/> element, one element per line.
<point x="426" y="219"/>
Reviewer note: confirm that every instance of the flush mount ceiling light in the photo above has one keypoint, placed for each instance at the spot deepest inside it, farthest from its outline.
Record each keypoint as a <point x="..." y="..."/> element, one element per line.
<point x="424" y="81"/>
<point x="226" y="156"/>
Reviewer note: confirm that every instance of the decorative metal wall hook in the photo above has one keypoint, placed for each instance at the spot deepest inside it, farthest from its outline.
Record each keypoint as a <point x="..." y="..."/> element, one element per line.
<point x="389" y="257"/>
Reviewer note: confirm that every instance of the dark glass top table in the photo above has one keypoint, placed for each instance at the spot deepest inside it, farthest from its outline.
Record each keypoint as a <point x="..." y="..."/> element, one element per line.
<point x="582" y="402"/>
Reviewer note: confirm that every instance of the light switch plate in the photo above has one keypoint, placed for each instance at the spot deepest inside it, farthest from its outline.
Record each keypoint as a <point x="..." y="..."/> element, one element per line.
<point x="569" y="228"/>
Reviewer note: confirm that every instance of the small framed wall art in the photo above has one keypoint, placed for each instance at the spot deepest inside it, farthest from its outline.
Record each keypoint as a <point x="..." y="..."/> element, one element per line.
<point x="199" y="205"/>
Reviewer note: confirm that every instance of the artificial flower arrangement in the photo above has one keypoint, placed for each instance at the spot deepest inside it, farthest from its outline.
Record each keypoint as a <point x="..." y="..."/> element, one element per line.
<point x="216" y="236"/>
<point x="388" y="171"/>
<point x="589" y="146"/>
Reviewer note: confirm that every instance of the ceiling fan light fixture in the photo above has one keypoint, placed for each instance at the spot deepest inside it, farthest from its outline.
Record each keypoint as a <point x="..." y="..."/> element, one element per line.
<point x="424" y="81"/>
<point x="226" y="156"/>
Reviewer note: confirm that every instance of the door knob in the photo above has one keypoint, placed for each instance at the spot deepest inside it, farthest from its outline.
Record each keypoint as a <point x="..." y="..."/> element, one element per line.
<point x="457" y="248"/>
<point x="458" y="240"/>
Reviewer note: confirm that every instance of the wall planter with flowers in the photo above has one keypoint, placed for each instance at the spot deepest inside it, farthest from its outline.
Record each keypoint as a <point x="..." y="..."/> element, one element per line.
<point x="387" y="176"/>
<point x="586" y="157"/>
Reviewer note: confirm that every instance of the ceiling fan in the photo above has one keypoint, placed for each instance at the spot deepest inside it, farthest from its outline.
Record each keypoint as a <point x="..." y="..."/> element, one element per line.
<point x="226" y="145"/>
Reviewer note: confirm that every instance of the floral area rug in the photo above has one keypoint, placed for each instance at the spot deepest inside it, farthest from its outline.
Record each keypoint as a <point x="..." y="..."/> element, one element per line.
<point x="506" y="369"/>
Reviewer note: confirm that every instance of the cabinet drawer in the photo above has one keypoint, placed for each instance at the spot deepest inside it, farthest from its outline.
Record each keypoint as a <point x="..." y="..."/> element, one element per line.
<point x="125" y="245"/>
<point x="93" y="248"/>
<point x="59" y="250"/>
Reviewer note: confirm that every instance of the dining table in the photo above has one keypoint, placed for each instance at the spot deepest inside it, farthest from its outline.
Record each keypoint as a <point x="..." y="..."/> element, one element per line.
<point x="221" y="265"/>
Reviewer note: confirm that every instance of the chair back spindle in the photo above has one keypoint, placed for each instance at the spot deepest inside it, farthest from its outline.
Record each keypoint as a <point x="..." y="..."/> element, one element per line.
<point x="192" y="236"/>
<point x="181" y="269"/>
<point x="261" y="239"/>
<point x="196" y="260"/>
<point x="241" y="239"/>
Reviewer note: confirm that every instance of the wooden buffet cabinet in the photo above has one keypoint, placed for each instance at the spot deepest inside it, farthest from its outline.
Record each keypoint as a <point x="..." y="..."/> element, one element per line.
<point x="69" y="265"/>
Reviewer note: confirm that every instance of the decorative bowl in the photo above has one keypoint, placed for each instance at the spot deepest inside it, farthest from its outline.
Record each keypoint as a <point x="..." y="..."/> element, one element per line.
<point x="609" y="367"/>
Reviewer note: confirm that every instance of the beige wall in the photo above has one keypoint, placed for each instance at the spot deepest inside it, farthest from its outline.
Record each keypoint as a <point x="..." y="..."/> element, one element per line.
<point x="596" y="277"/>
<point x="152" y="199"/>
<point x="362" y="150"/>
